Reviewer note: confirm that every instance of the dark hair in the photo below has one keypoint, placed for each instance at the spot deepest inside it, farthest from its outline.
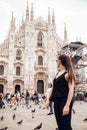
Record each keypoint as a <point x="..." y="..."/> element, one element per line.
<point x="67" y="63"/>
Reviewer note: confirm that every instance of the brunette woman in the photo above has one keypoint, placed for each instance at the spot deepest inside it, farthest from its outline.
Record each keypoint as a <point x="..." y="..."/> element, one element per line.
<point x="62" y="92"/>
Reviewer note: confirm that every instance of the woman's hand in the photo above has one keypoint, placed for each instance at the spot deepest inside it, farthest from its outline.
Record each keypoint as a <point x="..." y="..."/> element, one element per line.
<point x="47" y="103"/>
<point x="65" y="110"/>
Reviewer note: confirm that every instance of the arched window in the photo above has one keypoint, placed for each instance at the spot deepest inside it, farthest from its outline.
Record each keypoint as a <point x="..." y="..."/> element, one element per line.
<point x="40" y="39"/>
<point x="40" y="60"/>
<point x="1" y="69"/>
<point x="18" y="54"/>
<point x="18" y="70"/>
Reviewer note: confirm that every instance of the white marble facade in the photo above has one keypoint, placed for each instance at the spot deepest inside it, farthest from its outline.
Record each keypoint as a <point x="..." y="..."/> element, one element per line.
<point x="27" y="55"/>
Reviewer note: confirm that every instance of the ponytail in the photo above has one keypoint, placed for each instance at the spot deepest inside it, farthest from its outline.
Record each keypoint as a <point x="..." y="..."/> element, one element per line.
<point x="69" y="68"/>
<point x="67" y="63"/>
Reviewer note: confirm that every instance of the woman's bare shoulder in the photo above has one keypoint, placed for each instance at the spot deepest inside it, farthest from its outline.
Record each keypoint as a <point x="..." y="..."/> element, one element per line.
<point x="67" y="76"/>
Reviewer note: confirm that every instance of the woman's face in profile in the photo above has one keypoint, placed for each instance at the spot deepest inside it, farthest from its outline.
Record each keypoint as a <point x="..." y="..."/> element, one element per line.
<point x="58" y="63"/>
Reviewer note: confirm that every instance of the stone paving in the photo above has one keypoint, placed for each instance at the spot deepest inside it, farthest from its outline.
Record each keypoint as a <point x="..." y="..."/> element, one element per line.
<point x="40" y="115"/>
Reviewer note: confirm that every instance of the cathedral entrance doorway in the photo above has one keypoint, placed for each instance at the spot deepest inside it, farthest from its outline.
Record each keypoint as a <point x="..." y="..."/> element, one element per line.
<point x="40" y="86"/>
<point x="1" y="88"/>
<point x="17" y="88"/>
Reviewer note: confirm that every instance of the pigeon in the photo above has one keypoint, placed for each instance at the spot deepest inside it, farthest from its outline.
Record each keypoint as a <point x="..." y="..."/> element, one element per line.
<point x="4" y="107"/>
<point x="73" y="111"/>
<point x="5" y="128"/>
<point x="27" y="105"/>
<point x="32" y="116"/>
<point x="30" y="106"/>
<point x="19" y="122"/>
<point x="33" y="110"/>
<point x="2" y="118"/>
<point x="43" y="108"/>
<point x="85" y="120"/>
<point x="15" y="108"/>
<point x="14" y="116"/>
<point x="38" y="127"/>
<point x="39" y="107"/>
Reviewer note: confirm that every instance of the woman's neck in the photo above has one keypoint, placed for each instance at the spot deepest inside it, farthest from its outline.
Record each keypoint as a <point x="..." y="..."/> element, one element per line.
<point x="60" y="72"/>
<point x="61" y="68"/>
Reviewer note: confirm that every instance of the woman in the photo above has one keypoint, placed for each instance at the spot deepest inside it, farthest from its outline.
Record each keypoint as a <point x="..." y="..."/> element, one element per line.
<point x="62" y="92"/>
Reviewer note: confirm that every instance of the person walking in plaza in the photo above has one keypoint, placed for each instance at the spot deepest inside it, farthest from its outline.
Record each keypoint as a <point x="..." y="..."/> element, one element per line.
<point x="62" y="92"/>
<point x="27" y="95"/>
<point x="18" y="97"/>
<point x="36" y="99"/>
<point x="8" y="98"/>
<point x="50" y="102"/>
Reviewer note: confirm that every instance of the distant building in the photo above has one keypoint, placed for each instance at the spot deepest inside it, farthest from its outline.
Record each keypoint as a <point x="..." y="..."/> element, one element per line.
<point x="78" y="52"/>
<point x="27" y="55"/>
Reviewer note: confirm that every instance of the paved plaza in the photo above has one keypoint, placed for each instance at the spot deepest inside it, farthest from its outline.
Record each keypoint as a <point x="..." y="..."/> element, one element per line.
<point x="40" y="115"/>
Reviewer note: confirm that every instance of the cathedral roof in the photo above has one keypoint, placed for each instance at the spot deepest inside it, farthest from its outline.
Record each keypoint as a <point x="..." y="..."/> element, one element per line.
<point x="40" y="22"/>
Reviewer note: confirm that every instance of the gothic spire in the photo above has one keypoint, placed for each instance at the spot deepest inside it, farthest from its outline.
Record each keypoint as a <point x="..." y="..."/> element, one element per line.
<point x="32" y="13"/>
<point x="22" y="18"/>
<point x="12" y="18"/>
<point x="12" y="25"/>
<point x="27" y="12"/>
<point x="49" y="18"/>
<point x="53" y="17"/>
<point x="65" y="33"/>
<point x="19" y="24"/>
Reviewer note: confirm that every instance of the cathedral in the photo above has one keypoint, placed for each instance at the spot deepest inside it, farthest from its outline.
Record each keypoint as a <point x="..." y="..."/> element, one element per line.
<point x="28" y="54"/>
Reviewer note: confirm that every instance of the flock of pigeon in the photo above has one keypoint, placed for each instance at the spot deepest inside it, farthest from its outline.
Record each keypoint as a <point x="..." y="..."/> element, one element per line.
<point x="32" y="111"/>
<point x="38" y="127"/>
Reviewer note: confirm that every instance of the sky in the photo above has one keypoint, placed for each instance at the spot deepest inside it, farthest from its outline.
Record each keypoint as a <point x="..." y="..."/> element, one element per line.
<point x="71" y="12"/>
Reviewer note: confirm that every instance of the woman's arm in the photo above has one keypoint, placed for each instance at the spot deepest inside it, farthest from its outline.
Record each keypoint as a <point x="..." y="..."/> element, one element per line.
<point x="70" y="93"/>
<point x="70" y="96"/>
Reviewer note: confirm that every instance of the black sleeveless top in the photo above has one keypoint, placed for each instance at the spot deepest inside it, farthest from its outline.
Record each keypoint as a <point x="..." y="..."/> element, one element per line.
<point x="60" y="87"/>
